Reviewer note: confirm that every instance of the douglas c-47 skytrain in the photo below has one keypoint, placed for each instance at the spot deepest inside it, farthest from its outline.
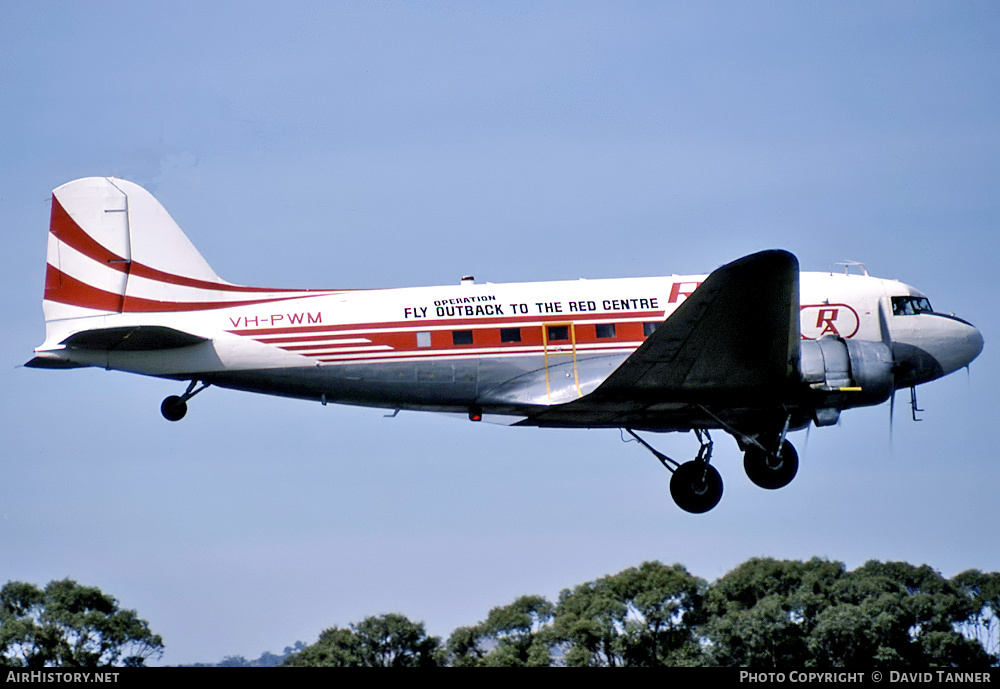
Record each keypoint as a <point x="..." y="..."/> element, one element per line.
<point x="755" y="348"/>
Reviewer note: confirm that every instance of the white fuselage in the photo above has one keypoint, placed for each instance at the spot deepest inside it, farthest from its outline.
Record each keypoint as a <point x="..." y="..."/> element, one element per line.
<point x="447" y="347"/>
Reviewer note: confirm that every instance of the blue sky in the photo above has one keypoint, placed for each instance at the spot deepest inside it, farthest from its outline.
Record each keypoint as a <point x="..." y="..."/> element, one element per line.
<point x="384" y="144"/>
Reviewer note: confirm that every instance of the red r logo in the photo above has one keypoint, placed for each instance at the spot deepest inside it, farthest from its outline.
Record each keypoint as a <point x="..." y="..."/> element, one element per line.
<point x="825" y="321"/>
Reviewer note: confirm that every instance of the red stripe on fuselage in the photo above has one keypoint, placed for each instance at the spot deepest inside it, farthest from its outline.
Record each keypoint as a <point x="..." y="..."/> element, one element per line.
<point x="453" y="324"/>
<point x="487" y="339"/>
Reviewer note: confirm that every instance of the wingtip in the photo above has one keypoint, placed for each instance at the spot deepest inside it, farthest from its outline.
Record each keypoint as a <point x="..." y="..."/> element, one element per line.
<point x="778" y="259"/>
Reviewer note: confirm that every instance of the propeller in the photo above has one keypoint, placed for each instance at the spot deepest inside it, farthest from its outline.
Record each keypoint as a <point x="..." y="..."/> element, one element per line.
<point x="886" y="337"/>
<point x="892" y="414"/>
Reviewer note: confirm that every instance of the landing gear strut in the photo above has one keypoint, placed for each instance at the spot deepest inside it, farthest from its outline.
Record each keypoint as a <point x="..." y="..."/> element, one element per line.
<point x="771" y="466"/>
<point x="174" y="408"/>
<point x="695" y="486"/>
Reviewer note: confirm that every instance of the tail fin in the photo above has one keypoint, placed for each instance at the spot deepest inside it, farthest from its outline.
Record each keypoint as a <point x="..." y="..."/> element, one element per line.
<point x="114" y="249"/>
<point x="119" y="269"/>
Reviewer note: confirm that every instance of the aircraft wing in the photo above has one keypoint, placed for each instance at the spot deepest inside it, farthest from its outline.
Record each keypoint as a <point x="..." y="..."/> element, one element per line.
<point x="738" y="330"/>
<point x="733" y="343"/>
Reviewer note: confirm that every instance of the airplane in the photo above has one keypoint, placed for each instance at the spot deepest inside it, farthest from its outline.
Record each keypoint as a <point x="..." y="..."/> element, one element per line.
<point x="754" y="348"/>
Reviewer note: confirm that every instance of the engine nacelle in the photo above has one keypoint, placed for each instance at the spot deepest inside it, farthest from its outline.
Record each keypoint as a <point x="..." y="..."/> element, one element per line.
<point x="852" y="373"/>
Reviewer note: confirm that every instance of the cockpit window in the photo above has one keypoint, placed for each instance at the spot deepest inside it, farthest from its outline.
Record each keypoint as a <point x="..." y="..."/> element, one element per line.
<point x="909" y="306"/>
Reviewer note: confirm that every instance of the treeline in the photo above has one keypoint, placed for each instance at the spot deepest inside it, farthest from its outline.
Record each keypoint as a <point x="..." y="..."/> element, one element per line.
<point x="266" y="659"/>
<point x="765" y="613"/>
<point x="67" y="624"/>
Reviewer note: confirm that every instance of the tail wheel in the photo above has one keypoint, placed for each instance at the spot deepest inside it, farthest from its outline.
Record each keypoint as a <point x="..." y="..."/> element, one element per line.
<point x="696" y="487"/>
<point x="173" y="408"/>
<point x="771" y="470"/>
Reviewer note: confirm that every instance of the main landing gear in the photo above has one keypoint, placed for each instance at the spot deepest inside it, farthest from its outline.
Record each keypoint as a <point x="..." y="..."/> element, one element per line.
<point x="174" y="408"/>
<point x="771" y="469"/>
<point x="695" y="486"/>
<point x="771" y="464"/>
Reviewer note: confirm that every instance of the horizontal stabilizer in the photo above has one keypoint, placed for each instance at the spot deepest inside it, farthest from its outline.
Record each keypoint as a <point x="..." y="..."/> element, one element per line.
<point x="51" y="360"/>
<point x="138" y="338"/>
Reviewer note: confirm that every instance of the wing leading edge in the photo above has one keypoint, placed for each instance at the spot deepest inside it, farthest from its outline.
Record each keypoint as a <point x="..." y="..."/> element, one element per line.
<point x="734" y="340"/>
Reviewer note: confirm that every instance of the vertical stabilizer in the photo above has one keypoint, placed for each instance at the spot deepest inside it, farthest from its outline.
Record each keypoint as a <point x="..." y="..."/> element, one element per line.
<point x="114" y="249"/>
<point x="118" y="264"/>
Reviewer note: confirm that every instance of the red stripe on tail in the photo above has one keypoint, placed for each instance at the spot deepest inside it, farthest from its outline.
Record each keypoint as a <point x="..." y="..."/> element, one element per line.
<point x="68" y="231"/>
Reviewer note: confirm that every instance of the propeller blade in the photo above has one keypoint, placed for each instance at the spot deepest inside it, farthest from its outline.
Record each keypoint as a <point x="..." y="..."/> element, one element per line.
<point x="892" y="415"/>
<point x="886" y="337"/>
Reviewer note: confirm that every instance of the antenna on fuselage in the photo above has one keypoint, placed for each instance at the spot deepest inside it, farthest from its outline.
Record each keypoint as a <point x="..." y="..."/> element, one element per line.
<point x="847" y="267"/>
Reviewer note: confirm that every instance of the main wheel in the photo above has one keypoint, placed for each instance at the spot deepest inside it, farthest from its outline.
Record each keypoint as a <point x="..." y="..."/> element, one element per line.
<point x="173" y="408"/>
<point x="769" y="470"/>
<point x="696" y="487"/>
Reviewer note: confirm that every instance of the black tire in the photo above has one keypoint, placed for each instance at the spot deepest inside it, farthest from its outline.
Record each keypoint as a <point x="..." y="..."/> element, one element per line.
<point x="696" y="487"/>
<point x="173" y="408"/>
<point x="771" y="471"/>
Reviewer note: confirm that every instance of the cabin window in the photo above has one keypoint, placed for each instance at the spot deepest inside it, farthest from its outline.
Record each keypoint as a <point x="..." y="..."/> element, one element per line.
<point x="605" y="330"/>
<point x="510" y="334"/>
<point x="558" y="332"/>
<point x="424" y="339"/>
<point x="910" y="306"/>
<point x="649" y="328"/>
<point x="461" y="337"/>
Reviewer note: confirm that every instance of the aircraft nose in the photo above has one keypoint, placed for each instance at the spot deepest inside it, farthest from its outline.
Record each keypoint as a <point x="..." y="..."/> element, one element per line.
<point x="931" y="346"/>
<point x="959" y="345"/>
<point x="973" y="344"/>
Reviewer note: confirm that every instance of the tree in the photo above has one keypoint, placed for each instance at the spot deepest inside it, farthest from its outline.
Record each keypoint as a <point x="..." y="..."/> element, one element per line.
<point x="770" y="613"/>
<point x="385" y="641"/>
<point x="69" y="625"/>
<point x="511" y="636"/>
<point x="766" y="613"/>
<point x="903" y="615"/>
<point x="983" y="589"/>
<point x="465" y="647"/>
<point x="642" y="616"/>
<point x="762" y="612"/>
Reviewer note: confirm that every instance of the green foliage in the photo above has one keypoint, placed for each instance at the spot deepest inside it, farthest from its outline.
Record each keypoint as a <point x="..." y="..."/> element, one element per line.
<point x="761" y="613"/>
<point x="984" y="592"/>
<point x="465" y="647"/>
<point x="642" y="616"/>
<point x="385" y="641"/>
<point x="764" y="614"/>
<point x="69" y="625"/>
<point x="770" y="613"/>
<point x="515" y="634"/>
